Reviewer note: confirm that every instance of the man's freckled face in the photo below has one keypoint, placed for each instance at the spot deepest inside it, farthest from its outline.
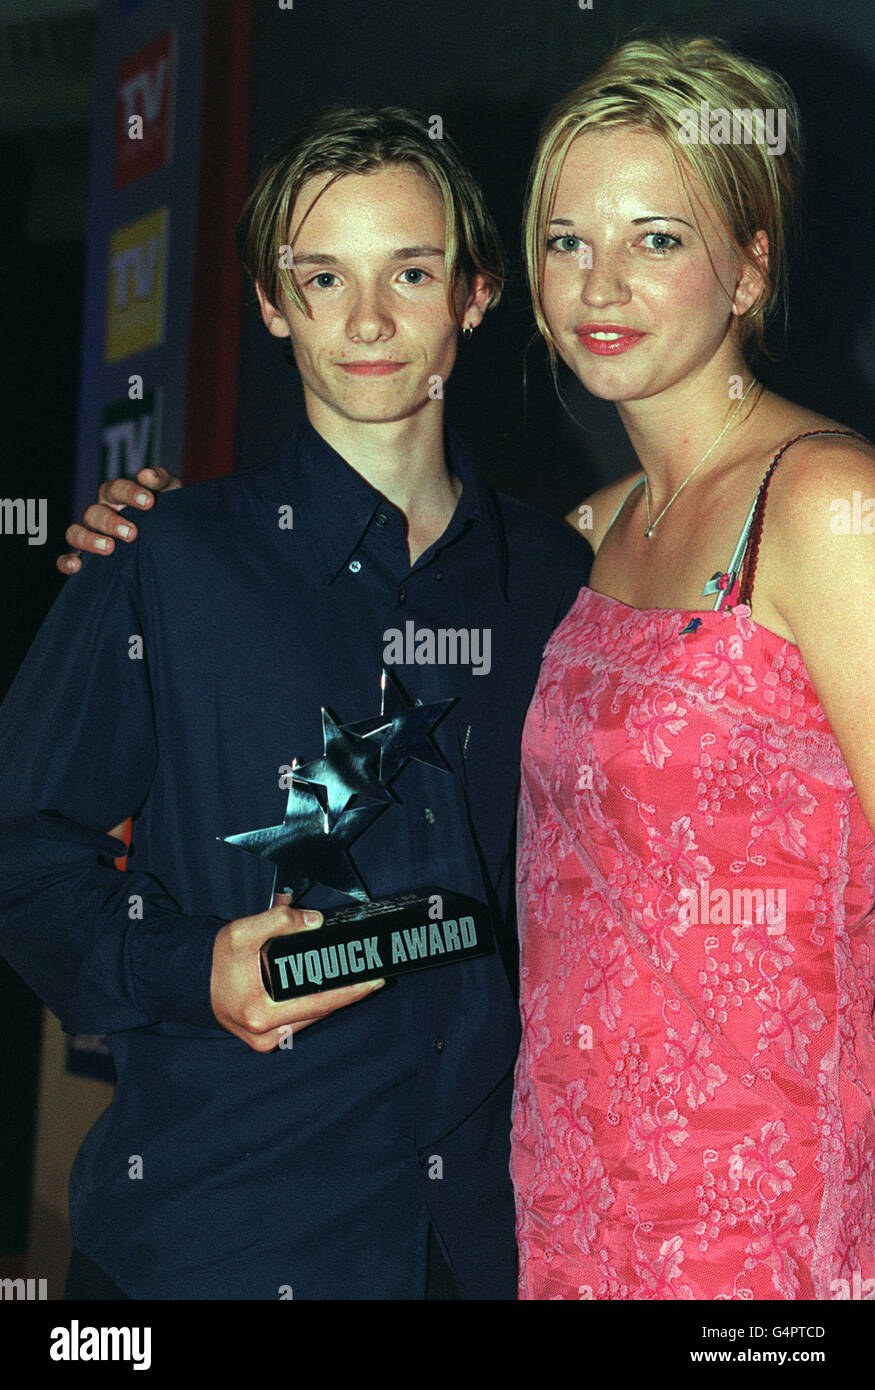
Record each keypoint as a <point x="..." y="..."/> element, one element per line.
<point x="381" y="327"/>
<point x="652" y="269"/>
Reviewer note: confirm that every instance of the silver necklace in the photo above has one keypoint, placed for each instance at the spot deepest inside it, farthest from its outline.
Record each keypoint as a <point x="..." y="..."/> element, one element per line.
<point x="651" y="525"/>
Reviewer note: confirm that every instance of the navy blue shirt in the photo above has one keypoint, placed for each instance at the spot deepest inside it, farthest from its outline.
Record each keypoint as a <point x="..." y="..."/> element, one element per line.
<point x="172" y="682"/>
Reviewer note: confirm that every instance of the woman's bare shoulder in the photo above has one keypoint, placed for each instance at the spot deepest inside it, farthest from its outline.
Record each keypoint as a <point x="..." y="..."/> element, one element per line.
<point x="592" y="517"/>
<point x="819" y="475"/>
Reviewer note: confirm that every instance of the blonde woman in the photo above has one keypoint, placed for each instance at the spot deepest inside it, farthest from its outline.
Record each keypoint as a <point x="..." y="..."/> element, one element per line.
<point x="693" y="1115"/>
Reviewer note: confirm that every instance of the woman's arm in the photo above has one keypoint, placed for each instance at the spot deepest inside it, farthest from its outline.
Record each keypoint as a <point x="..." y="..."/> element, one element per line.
<point x="825" y="587"/>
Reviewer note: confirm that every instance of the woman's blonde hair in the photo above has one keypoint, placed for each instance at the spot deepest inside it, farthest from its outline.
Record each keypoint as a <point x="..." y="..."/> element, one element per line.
<point x="656" y="84"/>
<point x="341" y="140"/>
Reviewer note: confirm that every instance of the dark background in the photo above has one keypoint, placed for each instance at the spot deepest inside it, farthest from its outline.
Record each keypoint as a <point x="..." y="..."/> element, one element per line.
<point x="491" y="70"/>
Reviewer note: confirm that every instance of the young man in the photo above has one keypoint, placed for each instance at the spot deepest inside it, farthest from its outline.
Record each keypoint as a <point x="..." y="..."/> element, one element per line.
<point x="177" y="683"/>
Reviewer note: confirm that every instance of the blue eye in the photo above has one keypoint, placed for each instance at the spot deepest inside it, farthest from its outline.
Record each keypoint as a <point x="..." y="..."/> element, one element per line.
<point x="323" y="275"/>
<point x="414" y="270"/>
<point x="669" y="242"/>
<point x="553" y="243"/>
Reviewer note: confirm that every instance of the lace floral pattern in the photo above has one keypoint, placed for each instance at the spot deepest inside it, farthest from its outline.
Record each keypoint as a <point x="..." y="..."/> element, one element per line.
<point x="694" y="1114"/>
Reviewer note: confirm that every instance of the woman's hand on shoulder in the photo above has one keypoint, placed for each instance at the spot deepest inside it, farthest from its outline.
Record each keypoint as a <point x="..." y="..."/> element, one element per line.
<point x="821" y="515"/>
<point x="593" y="516"/>
<point x="101" y="524"/>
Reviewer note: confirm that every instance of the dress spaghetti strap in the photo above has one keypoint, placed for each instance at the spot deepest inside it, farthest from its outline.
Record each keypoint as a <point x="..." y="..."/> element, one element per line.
<point x="637" y="483"/>
<point x="744" y="559"/>
<point x="754" y="524"/>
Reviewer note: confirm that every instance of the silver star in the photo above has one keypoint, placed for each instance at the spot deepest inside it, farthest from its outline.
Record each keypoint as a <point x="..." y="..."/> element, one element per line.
<point x="347" y="768"/>
<point x="403" y="729"/>
<point x="306" y="850"/>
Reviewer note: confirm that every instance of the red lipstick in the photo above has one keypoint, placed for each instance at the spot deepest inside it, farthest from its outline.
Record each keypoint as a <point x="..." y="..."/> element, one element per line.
<point x="614" y="338"/>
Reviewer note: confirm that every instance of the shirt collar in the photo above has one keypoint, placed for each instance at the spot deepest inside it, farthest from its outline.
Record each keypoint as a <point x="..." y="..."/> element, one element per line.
<point x="339" y="504"/>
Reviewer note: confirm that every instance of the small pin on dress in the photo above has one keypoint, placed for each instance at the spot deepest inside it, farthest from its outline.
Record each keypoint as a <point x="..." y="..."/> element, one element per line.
<point x="719" y="583"/>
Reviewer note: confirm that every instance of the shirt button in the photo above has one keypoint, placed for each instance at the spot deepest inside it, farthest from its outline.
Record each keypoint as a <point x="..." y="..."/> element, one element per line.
<point x="402" y="596"/>
<point x="382" y="519"/>
<point x="438" y="574"/>
<point x="355" y="566"/>
<point x="428" y="816"/>
<point x="438" y="1044"/>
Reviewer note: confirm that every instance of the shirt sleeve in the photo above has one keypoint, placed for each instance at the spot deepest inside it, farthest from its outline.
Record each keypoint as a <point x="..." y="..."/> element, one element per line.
<point x="105" y="950"/>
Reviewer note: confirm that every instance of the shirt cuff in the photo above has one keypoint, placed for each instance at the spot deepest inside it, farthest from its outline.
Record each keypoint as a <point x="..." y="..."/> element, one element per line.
<point x="171" y="960"/>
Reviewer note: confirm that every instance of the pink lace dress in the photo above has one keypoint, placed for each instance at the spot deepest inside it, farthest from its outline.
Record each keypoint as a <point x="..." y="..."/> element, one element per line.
<point x="694" y="1092"/>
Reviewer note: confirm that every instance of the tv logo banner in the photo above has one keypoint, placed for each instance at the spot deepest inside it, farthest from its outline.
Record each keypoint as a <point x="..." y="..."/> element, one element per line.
<point x="136" y="285"/>
<point x="144" y="110"/>
<point x="130" y="436"/>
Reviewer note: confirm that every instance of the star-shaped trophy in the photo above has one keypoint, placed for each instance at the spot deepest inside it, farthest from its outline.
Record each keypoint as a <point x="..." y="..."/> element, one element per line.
<point x="331" y="800"/>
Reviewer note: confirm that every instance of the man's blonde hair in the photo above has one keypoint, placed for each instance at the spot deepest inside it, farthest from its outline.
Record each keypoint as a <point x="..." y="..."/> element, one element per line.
<point x="339" y="140"/>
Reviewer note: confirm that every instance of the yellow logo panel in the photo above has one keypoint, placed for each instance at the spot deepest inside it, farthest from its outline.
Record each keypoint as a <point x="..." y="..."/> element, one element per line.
<point x="135" y="285"/>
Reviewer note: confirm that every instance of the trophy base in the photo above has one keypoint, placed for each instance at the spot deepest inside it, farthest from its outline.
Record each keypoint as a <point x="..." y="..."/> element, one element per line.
<point x="377" y="940"/>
